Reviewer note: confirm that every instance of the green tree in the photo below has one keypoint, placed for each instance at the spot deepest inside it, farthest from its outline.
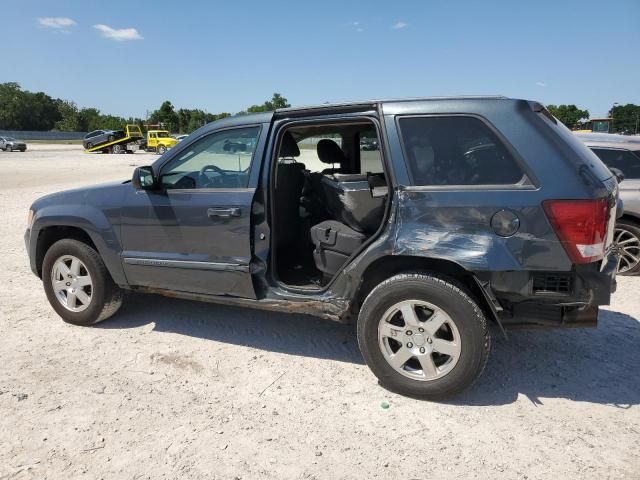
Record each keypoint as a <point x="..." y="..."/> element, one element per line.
<point x="23" y="110"/>
<point x="167" y="116"/>
<point x="277" y="101"/>
<point x="89" y="119"/>
<point x="626" y="118"/>
<point x="70" y="121"/>
<point x="570" y="115"/>
<point x="10" y="100"/>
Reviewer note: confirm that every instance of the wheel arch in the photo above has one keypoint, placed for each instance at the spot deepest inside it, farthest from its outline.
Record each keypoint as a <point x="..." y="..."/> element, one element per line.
<point x="631" y="217"/>
<point x="387" y="266"/>
<point x="47" y="235"/>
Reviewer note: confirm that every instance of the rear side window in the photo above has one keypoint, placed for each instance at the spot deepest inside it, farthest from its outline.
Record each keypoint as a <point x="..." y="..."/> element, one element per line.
<point x="456" y="150"/>
<point x="623" y="160"/>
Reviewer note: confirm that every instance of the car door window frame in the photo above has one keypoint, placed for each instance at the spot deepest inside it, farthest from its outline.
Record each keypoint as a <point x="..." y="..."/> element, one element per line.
<point x="254" y="167"/>
<point x="527" y="182"/>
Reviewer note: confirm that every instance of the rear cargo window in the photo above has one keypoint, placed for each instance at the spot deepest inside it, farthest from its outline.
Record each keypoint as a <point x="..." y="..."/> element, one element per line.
<point x="456" y="150"/>
<point x="578" y="153"/>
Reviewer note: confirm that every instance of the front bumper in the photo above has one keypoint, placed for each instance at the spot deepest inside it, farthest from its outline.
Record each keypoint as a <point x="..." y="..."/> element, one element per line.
<point x="32" y="256"/>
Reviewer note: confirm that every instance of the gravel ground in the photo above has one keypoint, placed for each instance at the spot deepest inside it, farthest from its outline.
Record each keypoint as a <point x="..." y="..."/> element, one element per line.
<point x="177" y="389"/>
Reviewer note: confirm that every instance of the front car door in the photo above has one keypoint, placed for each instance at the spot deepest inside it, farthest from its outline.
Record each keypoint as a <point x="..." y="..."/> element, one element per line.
<point x="194" y="233"/>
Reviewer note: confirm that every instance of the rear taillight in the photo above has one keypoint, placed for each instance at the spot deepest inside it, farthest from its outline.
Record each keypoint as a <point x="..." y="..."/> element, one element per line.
<point x="581" y="226"/>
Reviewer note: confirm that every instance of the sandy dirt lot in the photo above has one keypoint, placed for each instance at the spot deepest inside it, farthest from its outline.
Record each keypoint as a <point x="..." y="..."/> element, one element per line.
<point x="176" y="389"/>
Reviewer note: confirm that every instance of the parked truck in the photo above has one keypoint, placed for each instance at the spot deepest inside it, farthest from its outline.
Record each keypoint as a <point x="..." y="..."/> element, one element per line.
<point x="107" y="141"/>
<point x="129" y="140"/>
<point x="159" y="141"/>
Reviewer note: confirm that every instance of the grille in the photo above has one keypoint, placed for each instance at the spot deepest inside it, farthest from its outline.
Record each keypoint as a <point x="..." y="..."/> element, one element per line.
<point x="551" y="284"/>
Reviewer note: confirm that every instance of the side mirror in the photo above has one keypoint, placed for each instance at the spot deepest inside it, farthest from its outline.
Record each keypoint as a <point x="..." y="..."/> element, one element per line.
<point x="617" y="173"/>
<point x="144" y="179"/>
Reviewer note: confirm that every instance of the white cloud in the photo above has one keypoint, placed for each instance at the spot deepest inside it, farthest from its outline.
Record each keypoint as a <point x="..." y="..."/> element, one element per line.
<point x="541" y="84"/>
<point x="399" y="25"/>
<point x="57" y="23"/>
<point x="359" y="30"/>
<point x="118" y="34"/>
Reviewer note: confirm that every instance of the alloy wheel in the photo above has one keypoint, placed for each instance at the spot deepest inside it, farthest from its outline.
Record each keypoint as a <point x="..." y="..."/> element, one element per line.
<point x="627" y="245"/>
<point x="72" y="283"/>
<point x="419" y="340"/>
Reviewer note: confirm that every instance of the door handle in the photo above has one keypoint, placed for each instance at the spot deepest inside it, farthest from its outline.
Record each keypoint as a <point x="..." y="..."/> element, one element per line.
<point x="224" y="212"/>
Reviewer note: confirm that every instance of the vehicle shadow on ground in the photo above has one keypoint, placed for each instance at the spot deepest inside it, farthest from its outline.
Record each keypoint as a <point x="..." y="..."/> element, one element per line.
<point x="591" y="365"/>
<point x="301" y="335"/>
<point x="597" y="365"/>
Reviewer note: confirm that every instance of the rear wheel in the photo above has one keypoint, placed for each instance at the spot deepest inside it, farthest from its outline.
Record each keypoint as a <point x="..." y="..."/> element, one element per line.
<point x="110" y="138"/>
<point x="161" y="149"/>
<point x="423" y="336"/>
<point x="77" y="283"/>
<point x="626" y="242"/>
<point x="89" y="145"/>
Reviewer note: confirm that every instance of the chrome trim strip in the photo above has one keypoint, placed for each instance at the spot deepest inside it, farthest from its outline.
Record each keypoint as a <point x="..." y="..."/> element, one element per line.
<point x="159" y="262"/>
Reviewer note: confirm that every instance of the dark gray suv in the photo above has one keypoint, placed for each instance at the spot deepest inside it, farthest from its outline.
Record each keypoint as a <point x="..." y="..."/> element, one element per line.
<point x="472" y="211"/>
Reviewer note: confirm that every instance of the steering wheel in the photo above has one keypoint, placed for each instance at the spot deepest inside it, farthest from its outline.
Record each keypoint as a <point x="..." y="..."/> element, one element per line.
<point x="206" y="180"/>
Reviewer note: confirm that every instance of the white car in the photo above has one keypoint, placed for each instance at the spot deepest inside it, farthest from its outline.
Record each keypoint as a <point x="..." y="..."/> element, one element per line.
<point x="9" y="144"/>
<point x="622" y="152"/>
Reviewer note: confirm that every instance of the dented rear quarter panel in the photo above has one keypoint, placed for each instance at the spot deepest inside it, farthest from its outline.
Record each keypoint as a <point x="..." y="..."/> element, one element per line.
<point x="456" y="226"/>
<point x="454" y="222"/>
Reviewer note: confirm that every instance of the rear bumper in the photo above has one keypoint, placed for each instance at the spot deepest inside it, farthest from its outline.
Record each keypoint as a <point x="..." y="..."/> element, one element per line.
<point x="551" y="316"/>
<point x="586" y="288"/>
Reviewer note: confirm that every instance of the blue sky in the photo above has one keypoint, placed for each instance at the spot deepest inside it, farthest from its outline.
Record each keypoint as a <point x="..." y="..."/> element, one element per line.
<point x="126" y="57"/>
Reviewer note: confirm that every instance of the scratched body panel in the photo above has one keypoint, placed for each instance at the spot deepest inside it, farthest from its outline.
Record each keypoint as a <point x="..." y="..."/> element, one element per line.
<point x="444" y="225"/>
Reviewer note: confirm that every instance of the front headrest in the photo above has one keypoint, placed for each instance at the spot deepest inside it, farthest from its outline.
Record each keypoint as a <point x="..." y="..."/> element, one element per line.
<point x="330" y="152"/>
<point x="288" y="147"/>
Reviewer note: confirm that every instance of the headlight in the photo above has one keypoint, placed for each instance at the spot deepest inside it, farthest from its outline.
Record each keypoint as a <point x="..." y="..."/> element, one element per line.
<point x="30" y="218"/>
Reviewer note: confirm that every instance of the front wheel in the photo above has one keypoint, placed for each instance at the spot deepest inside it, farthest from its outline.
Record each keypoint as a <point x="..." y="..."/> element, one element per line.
<point x="423" y="336"/>
<point x="161" y="149"/>
<point x="77" y="283"/>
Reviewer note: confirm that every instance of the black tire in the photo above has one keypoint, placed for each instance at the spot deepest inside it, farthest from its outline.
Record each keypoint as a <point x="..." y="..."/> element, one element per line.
<point x="161" y="149"/>
<point x="106" y="295"/>
<point x="464" y="312"/>
<point x="633" y="229"/>
<point x="23" y="150"/>
<point x="110" y="138"/>
<point x="89" y="146"/>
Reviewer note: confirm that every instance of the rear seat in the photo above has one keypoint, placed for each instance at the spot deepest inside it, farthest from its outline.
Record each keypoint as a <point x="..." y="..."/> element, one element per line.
<point x="350" y="201"/>
<point x="334" y="243"/>
<point x="357" y="212"/>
